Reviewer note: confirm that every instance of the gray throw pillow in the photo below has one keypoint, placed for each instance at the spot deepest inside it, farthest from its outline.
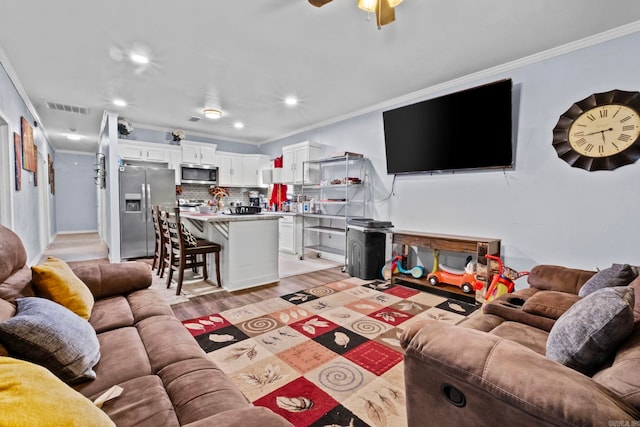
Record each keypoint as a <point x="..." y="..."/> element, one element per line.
<point x="589" y="332"/>
<point x="616" y="275"/>
<point x="50" y="335"/>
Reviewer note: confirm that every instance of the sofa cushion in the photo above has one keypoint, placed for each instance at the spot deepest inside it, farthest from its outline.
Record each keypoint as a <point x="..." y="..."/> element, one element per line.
<point x="111" y="313"/>
<point x="558" y="278"/>
<point x="533" y="338"/>
<point x="18" y="285"/>
<point x="623" y="376"/>
<point x="589" y="333"/>
<point x="551" y="304"/>
<point x="48" y="334"/>
<point x="143" y="403"/>
<point x="55" y="280"/>
<point x="14" y="256"/>
<point x="616" y="275"/>
<point x="123" y="358"/>
<point x="33" y="396"/>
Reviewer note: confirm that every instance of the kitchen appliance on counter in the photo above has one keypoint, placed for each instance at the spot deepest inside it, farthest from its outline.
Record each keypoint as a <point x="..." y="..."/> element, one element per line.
<point x="254" y="198"/>
<point x="199" y="174"/>
<point x="140" y="189"/>
<point x="190" y="205"/>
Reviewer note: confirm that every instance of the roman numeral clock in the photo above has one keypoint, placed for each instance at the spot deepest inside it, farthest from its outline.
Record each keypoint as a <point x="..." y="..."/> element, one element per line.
<point x="601" y="132"/>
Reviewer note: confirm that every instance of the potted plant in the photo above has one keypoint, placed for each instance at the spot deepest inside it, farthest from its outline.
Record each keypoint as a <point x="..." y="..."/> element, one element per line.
<point x="177" y="135"/>
<point x="124" y="127"/>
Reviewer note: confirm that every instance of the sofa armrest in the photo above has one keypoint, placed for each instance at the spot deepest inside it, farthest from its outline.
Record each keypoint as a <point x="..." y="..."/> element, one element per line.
<point x="105" y="280"/>
<point x="243" y="417"/>
<point x="494" y="381"/>
<point x="557" y="278"/>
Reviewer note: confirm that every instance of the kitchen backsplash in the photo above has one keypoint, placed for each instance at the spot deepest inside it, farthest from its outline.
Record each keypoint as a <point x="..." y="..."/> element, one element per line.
<point x="201" y="192"/>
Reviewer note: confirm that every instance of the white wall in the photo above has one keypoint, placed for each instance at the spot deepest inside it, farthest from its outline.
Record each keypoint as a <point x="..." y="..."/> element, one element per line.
<point x="26" y="203"/>
<point x="543" y="210"/>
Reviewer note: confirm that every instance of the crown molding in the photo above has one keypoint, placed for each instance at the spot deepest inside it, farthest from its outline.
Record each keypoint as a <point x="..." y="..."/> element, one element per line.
<point x="564" y="49"/>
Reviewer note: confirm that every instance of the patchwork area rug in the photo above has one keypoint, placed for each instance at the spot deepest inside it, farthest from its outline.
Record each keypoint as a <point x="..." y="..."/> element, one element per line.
<point x="326" y="356"/>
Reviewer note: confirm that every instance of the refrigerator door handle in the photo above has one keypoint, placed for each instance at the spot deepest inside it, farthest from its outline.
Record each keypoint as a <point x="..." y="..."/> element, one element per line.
<point x="149" y="202"/>
<point x="143" y="208"/>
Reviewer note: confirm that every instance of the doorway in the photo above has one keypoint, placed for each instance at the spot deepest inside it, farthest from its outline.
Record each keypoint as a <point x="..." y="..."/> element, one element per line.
<point x="43" y="199"/>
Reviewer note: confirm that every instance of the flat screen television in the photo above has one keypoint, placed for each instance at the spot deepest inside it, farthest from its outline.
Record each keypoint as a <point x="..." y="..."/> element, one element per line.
<point x="470" y="129"/>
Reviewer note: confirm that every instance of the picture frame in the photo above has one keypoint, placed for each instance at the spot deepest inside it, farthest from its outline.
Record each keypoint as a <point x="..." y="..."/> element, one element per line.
<point x="17" y="147"/>
<point x="29" y="159"/>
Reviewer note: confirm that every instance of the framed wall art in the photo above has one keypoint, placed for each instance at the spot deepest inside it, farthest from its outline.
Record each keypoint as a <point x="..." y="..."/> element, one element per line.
<point x="28" y="147"/>
<point x="17" y="147"/>
<point x="50" y="172"/>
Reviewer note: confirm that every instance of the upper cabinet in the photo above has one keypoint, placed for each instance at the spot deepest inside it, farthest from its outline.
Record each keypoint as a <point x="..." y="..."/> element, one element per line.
<point x="198" y="153"/>
<point x="230" y="169"/>
<point x="293" y="158"/>
<point x="144" y="151"/>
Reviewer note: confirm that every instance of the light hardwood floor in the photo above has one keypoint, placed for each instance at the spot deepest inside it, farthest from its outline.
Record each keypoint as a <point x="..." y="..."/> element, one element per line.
<point x="86" y="246"/>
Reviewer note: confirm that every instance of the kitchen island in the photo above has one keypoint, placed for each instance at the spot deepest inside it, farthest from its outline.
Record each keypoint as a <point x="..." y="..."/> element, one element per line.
<point x="249" y="255"/>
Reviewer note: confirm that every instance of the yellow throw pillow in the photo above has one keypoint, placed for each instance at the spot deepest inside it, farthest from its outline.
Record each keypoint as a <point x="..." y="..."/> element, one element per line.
<point x="31" y="396"/>
<point x="56" y="281"/>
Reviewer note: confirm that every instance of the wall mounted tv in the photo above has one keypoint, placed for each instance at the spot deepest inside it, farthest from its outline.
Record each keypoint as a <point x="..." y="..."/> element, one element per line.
<point x="470" y="129"/>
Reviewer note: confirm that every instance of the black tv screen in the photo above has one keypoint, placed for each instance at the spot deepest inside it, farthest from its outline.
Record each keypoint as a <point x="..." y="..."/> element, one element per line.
<point x="470" y="129"/>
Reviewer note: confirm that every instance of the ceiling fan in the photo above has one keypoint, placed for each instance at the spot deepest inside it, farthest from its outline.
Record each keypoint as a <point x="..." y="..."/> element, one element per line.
<point x="384" y="9"/>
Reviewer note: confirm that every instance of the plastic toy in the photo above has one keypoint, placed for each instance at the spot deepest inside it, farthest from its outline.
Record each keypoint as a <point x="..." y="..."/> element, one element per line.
<point x="396" y="266"/>
<point x="503" y="282"/>
<point x="464" y="279"/>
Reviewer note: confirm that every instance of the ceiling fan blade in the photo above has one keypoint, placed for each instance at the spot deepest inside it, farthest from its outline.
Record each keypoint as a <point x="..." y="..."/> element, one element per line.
<point x="385" y="14"/>
<point x="318" y="3"/>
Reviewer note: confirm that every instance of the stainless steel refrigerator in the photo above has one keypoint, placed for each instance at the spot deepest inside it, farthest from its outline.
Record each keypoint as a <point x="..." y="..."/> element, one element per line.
<point x="140" y="189"/>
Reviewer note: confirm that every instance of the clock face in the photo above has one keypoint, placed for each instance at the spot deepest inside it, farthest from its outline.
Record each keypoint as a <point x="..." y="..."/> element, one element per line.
<point x="600" y="132"/>
<point x="604" y="131"/>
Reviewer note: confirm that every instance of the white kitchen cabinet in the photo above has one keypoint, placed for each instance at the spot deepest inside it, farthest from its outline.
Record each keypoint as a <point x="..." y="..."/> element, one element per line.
<point x="143" y="151"/>
<point x="293" y="158"/>
<point x="230" y="169"/>
<point x="290" y="234"/>
<point x="252" y="165"/>
<point x="175" y="160"/>
<point x="198" y="153"/>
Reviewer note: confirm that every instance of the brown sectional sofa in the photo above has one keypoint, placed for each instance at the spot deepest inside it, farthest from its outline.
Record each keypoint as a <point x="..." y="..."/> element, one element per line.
<point x="493" y="369"/>
<point x="167" y="378"/>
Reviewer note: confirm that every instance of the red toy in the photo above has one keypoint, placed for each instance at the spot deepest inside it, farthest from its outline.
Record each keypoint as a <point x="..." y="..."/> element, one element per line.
<point x="503" y="282"/>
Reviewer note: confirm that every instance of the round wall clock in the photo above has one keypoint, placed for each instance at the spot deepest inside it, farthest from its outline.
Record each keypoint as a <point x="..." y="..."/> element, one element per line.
<point x="601" y="132"/>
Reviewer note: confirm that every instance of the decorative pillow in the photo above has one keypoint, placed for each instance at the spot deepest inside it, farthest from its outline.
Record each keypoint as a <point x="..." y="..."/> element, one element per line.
<point x="616" y="275"/>
<point x="56" y="281"/>
<point x="189" y="239"/>
<point x="48" y="334"/>
<point x="590" y="332"/>
<point x="33" y="396"/>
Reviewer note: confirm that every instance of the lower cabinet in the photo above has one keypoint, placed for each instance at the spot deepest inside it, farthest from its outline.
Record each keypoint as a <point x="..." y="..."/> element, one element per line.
<point x="290" y="237"/>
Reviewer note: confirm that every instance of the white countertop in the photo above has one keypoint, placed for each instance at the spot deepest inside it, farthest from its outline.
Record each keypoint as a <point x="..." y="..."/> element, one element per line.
<point x="216" y="217"/>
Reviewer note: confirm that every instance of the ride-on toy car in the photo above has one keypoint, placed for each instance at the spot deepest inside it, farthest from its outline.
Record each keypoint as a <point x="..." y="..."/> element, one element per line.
<point x="396" y="266"/>
<point x="464" y="279"/>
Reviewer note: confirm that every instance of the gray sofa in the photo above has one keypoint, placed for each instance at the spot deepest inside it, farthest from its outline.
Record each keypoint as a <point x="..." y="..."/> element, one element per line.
<point x="167" y="378"/>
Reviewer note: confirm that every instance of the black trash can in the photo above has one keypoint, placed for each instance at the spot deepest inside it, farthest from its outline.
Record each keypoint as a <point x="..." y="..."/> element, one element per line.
<point x="365" y="253"/>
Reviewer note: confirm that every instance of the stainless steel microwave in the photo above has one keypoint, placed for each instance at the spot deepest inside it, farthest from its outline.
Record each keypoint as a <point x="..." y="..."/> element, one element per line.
<point x="199" y="174"/>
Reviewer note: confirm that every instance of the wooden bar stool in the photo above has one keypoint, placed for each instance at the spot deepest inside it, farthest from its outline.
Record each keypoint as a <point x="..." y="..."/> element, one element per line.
<point x="159" y="250"/>
<point x="185" y="254"/>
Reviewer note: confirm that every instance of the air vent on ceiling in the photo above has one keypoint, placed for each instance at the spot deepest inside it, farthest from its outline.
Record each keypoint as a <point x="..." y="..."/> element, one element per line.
<point x="67" y="108"/>
<point x="195" y="119"/>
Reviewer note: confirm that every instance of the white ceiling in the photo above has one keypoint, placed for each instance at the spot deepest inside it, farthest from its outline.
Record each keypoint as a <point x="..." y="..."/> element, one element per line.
<point x="250" y="54"/>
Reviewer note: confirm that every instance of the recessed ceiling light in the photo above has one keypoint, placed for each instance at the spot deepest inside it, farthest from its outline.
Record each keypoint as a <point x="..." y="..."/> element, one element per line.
<point x="120" y="102"/>
<point x="74" y="137"/>
<point x="238" y="125"/>
<point x="138" y="58"/>
<point x="211" y="113"/>
<point x="291" y="101"/>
